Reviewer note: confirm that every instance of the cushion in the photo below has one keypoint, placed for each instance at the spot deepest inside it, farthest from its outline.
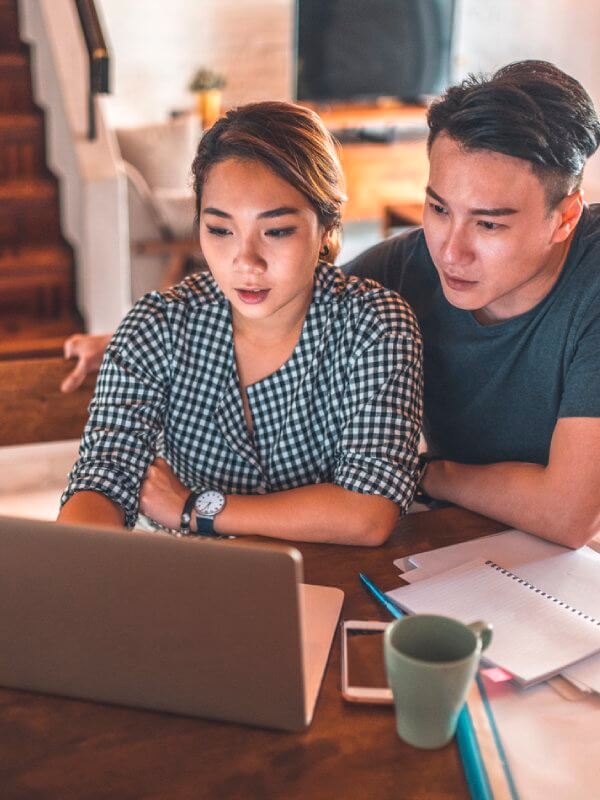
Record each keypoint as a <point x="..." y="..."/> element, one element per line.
<point x="163" y="152"/>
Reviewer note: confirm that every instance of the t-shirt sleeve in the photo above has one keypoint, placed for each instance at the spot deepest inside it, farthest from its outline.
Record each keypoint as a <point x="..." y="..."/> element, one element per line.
<point x="377" y="452"/>
<point x="127" y="410"/>
<point x="581" y="395"/>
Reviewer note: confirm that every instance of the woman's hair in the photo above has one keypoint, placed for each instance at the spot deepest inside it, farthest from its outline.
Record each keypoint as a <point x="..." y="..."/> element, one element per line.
<point x="530" y="110"/>
<point x="290" y="140"/>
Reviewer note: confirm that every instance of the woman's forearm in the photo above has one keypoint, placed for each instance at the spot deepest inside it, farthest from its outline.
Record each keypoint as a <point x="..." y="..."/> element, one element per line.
<point x="91" y="508"/>
<point x="320" y="513"/>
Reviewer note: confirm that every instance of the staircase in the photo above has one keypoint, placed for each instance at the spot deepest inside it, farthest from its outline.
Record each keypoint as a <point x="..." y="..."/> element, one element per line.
<point x="36" y="264"/>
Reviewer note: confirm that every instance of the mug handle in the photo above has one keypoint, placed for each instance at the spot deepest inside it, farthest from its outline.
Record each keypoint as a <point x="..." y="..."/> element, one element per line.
<point x="483" y="630"/>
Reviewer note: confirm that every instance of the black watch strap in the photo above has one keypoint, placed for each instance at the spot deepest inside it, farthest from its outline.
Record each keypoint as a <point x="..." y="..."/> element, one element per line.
<point x="421" y="495"/>
<point x="186" y="514"/>
<point x="205" y="526"/>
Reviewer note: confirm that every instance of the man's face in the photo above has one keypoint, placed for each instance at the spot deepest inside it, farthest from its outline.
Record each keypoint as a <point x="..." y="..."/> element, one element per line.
<point x="497" y="248"/>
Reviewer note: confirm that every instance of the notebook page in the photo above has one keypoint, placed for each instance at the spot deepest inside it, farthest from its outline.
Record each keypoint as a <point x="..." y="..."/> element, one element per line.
<point x="533" y="638"/>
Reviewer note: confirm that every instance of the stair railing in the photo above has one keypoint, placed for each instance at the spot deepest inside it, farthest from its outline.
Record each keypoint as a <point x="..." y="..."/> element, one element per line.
<point x="98" y="58"/>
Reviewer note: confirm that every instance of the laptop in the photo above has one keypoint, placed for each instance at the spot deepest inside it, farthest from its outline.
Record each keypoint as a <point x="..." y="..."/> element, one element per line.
<point x="217" y="629"/>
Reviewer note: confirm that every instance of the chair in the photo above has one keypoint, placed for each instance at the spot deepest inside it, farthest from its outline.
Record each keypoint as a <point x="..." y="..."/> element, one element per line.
<point x="156" y="160"/>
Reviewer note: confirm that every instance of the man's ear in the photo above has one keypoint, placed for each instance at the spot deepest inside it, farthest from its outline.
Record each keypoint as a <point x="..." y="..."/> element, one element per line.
<point x="569" y="210"/>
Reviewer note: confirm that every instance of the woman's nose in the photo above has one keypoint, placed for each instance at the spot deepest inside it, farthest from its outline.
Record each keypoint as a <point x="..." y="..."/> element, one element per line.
<point x="249" y="258"/>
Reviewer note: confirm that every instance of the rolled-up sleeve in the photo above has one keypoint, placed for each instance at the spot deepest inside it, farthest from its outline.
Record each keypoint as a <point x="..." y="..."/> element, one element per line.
<point x="127" y="411"/>
<point x="378" y="448"/>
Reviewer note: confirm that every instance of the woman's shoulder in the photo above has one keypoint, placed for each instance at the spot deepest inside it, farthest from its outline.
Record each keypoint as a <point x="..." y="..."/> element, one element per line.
<point x="370" y="303"/>
<point x="194" y="291"/>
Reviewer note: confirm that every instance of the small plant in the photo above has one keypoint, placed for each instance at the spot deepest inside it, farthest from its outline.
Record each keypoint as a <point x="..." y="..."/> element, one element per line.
<point x="206" y="79"/>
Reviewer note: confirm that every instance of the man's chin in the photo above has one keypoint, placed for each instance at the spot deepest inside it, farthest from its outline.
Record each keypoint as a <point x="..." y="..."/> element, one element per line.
<point x="466" y="300"/>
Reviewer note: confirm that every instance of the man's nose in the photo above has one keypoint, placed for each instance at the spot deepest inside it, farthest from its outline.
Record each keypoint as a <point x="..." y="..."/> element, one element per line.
<point x="456" y="248"/>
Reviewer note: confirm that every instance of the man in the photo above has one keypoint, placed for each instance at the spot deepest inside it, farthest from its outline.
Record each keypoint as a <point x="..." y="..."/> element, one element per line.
<point x="504" y="278"/>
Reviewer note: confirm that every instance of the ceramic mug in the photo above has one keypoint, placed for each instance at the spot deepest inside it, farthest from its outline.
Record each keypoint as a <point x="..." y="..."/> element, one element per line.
<point x="431" y="662"/>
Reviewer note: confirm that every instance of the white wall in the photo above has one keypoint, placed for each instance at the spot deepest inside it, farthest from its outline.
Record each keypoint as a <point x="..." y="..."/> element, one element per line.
<point x="158" y="44"/>
<point x="495" y="32"/>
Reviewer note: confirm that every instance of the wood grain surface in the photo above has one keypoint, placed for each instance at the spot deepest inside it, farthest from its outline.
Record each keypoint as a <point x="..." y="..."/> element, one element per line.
<point x="32" y="407"/>
<point x="73" y="750"/>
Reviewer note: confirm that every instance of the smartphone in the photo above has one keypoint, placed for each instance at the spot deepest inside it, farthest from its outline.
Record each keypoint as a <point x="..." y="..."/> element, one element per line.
<point x="363" y="669"/>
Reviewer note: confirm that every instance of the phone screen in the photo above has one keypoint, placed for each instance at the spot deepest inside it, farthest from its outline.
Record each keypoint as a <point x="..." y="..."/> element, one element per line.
<point x="366" y="667"/>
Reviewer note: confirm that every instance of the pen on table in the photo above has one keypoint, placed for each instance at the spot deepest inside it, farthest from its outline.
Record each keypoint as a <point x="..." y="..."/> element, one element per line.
<point x="386" y="601"/>
<point x="475" y="772"/>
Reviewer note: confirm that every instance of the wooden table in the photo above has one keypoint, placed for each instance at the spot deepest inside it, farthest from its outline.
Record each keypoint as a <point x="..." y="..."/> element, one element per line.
<point x="72" y="750"/>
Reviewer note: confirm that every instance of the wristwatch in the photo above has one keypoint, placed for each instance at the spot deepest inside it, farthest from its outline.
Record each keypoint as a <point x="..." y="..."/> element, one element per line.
<point x="207" y="503"/>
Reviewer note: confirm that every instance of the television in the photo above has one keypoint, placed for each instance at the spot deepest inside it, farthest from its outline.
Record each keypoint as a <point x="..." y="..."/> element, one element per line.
<point x="361" y="50"/>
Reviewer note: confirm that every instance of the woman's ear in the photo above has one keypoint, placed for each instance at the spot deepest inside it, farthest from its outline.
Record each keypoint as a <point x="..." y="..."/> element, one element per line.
<point x="330" y="245"/>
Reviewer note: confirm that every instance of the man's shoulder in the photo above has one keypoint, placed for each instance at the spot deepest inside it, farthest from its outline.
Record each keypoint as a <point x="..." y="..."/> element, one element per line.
<point x="387" y="262"/>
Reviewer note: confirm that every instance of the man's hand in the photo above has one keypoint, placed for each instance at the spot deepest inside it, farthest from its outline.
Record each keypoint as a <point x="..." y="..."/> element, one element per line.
<point x="162" y="495"/>
<point x="88" y="350"/>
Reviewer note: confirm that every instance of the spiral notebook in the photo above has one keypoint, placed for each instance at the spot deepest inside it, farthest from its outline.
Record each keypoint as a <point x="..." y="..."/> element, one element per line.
<point x="536" y="634"/>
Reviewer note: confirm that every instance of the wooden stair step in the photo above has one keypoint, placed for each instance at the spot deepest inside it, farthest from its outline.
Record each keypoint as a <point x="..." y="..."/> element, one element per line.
<point x="33" y="261"/>
<point x="15" y="83"/>
<point x="9" y="25"/>
<point x="36" y="280"/>
<point x="22" y="151"/>
<point x="24" y="337"/>
<point x="29" y="212"/>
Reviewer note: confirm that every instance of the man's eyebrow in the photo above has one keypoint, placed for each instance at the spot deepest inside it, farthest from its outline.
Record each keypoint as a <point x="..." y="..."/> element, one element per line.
<point x="272" y="212"/>
<point x="476" y="212"/>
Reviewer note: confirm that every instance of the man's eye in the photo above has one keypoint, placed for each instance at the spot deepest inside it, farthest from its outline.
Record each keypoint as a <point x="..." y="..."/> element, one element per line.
<point x="489" y="226"/>
<point x="217" y="231"/>
<point x="279" y="233"/>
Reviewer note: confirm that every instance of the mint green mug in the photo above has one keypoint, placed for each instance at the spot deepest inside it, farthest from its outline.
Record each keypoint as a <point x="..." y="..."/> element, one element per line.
<point x="431" y="662"/>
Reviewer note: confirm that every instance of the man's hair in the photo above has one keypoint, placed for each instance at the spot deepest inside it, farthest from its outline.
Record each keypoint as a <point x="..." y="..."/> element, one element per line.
<point x="530" y="110"/>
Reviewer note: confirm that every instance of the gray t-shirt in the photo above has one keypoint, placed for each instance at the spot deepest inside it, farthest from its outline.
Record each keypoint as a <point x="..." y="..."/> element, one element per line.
<point x="494" y="393"/>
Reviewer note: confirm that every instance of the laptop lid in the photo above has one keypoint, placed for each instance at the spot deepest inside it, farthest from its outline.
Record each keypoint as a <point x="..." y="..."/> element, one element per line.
<point x="218" y="629"/>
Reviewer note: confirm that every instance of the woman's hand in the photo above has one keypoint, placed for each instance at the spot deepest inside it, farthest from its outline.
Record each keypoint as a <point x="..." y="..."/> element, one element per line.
<point x="162" y="495"/>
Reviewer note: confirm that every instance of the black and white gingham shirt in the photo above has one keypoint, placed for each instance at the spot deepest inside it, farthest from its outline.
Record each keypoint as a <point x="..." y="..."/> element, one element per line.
<point x="344" y="409"/>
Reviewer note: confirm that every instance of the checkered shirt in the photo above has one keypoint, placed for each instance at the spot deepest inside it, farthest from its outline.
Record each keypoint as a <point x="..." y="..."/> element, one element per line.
<point x="344" y="409"/>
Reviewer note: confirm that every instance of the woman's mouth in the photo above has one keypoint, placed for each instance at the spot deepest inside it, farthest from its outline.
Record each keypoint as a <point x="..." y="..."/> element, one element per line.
<point x="252" y="296"/>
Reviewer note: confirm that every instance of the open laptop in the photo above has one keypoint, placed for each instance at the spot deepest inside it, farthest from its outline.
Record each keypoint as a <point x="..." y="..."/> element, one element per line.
<point x="218" y="629"/>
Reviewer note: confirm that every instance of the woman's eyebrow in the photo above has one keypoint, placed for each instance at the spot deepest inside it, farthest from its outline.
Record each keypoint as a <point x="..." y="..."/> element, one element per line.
<point x="278" y="212"/>
<point x="272" y="212"/>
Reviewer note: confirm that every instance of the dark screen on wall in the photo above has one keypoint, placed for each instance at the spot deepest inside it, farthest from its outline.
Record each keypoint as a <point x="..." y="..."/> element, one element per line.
<point x="362" y="49"/>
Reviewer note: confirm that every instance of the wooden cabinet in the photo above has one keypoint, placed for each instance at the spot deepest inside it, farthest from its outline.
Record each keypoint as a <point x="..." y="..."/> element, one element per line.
<point x="379" y="174"/>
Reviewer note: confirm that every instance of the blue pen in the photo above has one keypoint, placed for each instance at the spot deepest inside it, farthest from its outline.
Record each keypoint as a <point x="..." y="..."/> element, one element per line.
<point x="475" y="774"/>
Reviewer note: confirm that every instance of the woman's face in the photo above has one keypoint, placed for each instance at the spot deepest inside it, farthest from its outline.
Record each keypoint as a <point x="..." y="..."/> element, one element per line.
<point x="261" y="239"/>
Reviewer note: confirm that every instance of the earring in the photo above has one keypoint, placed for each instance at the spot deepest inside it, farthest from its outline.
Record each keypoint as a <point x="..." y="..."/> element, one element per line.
<point x="324" y="252"/>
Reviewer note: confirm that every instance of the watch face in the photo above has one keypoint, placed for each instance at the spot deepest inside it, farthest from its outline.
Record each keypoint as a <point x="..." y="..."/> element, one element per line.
<point x="209" y="503"/>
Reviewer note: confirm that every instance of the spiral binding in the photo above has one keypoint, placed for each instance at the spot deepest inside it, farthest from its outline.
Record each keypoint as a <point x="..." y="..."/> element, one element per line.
<point x="542" y="593"/>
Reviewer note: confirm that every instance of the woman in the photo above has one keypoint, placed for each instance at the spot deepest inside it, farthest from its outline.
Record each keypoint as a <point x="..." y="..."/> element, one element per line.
<point x="287" y="397"/>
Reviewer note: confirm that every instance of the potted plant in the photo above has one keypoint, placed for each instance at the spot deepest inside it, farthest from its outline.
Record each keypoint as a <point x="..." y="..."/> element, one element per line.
<point x="207" y="85"/>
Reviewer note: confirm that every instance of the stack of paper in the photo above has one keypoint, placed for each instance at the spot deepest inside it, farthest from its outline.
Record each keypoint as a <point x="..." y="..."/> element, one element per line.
<point x="573" y="576"/>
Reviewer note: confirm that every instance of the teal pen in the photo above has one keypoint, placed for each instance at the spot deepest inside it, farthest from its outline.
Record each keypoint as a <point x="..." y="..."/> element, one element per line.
<point x="475" y="774"/>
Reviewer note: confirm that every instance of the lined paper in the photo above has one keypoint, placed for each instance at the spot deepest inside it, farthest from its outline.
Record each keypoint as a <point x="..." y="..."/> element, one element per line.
<point x="534" y="637"/>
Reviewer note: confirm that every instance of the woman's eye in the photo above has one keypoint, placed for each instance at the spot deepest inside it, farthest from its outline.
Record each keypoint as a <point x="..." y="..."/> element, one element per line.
<point x="279" y="233"/>
<point x="437" y="208"/>
<point x="217" y="231"/>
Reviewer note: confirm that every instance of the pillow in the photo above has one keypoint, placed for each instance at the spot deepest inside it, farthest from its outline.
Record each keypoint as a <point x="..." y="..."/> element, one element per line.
<point x="162" y="153"/>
